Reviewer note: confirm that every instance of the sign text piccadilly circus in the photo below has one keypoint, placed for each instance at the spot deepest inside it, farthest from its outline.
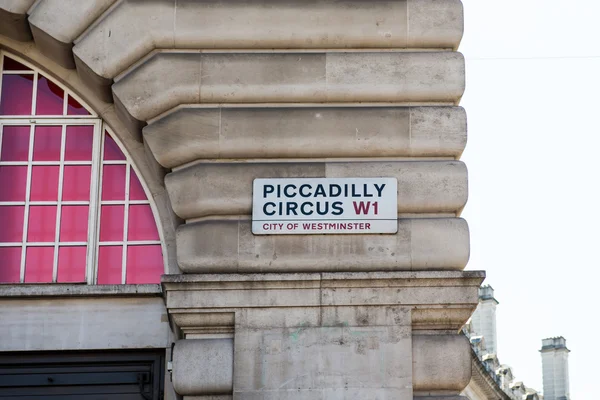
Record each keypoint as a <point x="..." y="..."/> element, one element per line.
<point x="325" y="205"/>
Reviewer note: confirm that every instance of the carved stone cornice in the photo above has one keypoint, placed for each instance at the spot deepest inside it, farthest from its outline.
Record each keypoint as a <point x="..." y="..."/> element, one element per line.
<point x="439" y="300"/>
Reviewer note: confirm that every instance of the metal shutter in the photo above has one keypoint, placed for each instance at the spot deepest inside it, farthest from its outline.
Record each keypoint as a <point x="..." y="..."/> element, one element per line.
<point x="118" y="375"/>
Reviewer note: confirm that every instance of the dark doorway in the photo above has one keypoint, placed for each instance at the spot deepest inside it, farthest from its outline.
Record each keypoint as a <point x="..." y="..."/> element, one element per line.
<point x="115" y="375"/>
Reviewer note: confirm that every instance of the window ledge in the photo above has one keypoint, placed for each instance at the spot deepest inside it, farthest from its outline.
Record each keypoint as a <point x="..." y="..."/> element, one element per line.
<point x="70" y="290"/>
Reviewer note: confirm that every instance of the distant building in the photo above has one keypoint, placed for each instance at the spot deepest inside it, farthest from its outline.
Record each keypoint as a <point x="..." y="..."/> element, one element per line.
<point x="555" y="368"/>
<point x="490" y="379"/>
<point x="483" y="320"/>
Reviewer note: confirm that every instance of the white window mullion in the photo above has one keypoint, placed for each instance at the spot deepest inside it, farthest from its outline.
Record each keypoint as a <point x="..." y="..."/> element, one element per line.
<point x="132" y="243"/>
<point x="125" y="225"/>
<point x="43" y="244"/>
<point x="1" y="70"/>
<point x="61" y="170"/>
<point x="91" y="272"/>
<point x="36" y="76"/>
<point x="1" y="125"/>
<point x="52" y="120"/>
<point x="26" y="211"/>
<point x="44" y="163"/>
<point x="65" y="103"/>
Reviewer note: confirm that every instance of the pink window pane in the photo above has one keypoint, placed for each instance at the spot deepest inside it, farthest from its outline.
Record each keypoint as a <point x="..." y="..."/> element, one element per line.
<point x="42" y="224"/>
<point x="136" y="190"/>
<point x="13" y="65"/>
<point x="49" y="97"/>
<point x="46" y="145"/>
<point x="111" y="223"/>
<point x="75" y="108"/>
<point x="74" y="223"/>
<point x="44" y="183"/>
<point x="109" y="265"/>
<point x="111" y="149"/>
<point x="13" y="182"/>
<point x="12" y="218"/>
<point x="113" y="182"/>
<point x="10" y="264"/>
<point x="15" y="143"/>
<point x="141" y="224"/>
<point x="144" y="264"/>
<point x="38" y="264"/>
<point x="79" y="143"/>
<point x="76" y="183"/>
<point x="71" y="263"/>
<point x="16" y="95"/>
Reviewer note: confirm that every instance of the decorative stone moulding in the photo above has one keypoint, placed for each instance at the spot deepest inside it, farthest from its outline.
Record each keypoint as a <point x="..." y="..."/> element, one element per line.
<point x="226" y="188"/>
<point x="422" y="291"/>
<point x="190" y="132"/>
<point x="228" y="246"/>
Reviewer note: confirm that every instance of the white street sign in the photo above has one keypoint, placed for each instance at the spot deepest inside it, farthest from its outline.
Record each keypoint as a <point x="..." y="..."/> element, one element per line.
<point x="324" y="205"/>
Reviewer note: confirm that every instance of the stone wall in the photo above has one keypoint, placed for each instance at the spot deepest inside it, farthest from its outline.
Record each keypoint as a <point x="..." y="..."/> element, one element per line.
<point x="212" y="94"/>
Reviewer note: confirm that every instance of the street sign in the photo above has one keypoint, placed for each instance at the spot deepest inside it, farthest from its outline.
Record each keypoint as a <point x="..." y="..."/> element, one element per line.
<point x="324" y="205"/>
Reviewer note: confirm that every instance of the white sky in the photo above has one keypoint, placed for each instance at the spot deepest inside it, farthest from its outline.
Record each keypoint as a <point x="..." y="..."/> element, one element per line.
<point x="533" y="107"/>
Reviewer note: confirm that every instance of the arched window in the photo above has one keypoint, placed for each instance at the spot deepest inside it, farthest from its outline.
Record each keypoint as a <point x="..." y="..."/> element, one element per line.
<point x="72" y="208"/>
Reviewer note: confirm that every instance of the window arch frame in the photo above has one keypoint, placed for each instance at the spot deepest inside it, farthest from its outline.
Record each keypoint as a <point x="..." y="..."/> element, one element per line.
<point x="100" y="131"/>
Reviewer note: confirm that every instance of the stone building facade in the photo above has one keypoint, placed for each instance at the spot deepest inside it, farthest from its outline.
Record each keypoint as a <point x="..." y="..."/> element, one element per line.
<point x="491" y="379"/>
<point x="194" y="100"/>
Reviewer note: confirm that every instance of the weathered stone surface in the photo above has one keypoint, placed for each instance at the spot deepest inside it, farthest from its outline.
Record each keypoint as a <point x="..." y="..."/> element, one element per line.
<point x="441" y="362"/>
<point x="323" y="362"/>
<point x="263" y="77"/>
<point x="319" y="299"/>
<point x="193" y="132"/>
<point x="133" y="28"/>
<point x="203" y="366"/>
<point x="16" y="6"/>
<point x="56" y="24"/>
<point x="229" y="246"/>
<point x="13" y="19"/>
<point x="226" y="188"/>
<point x="424" y="396"/>
<point x="399" y="77"/>
<point x="154" y="87"/>
<point x="159" y="84"/>
<point x="83" y="323"/>
<point x="69" y="290"/>
<point x="325" y="335"/>
<point x="424" y="21"/>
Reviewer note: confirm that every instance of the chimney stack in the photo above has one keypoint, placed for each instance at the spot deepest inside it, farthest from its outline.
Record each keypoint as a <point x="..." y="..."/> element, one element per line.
<point x="483" y="321"/>
<point x="555" y="368"/>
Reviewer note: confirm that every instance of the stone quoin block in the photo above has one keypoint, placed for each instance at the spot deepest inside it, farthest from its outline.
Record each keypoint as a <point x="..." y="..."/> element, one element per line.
<point x="203" y="366"/>
<point x="271" y="24"/>
<point x="192" y="132"/>
<point x="55" y="28"/>
<point x="226" y="188"/>
<point x="13" y="19"/>
<point x="151" y="87"/>
<point x="441" y="362"/>
<point x="228" y="245"/>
